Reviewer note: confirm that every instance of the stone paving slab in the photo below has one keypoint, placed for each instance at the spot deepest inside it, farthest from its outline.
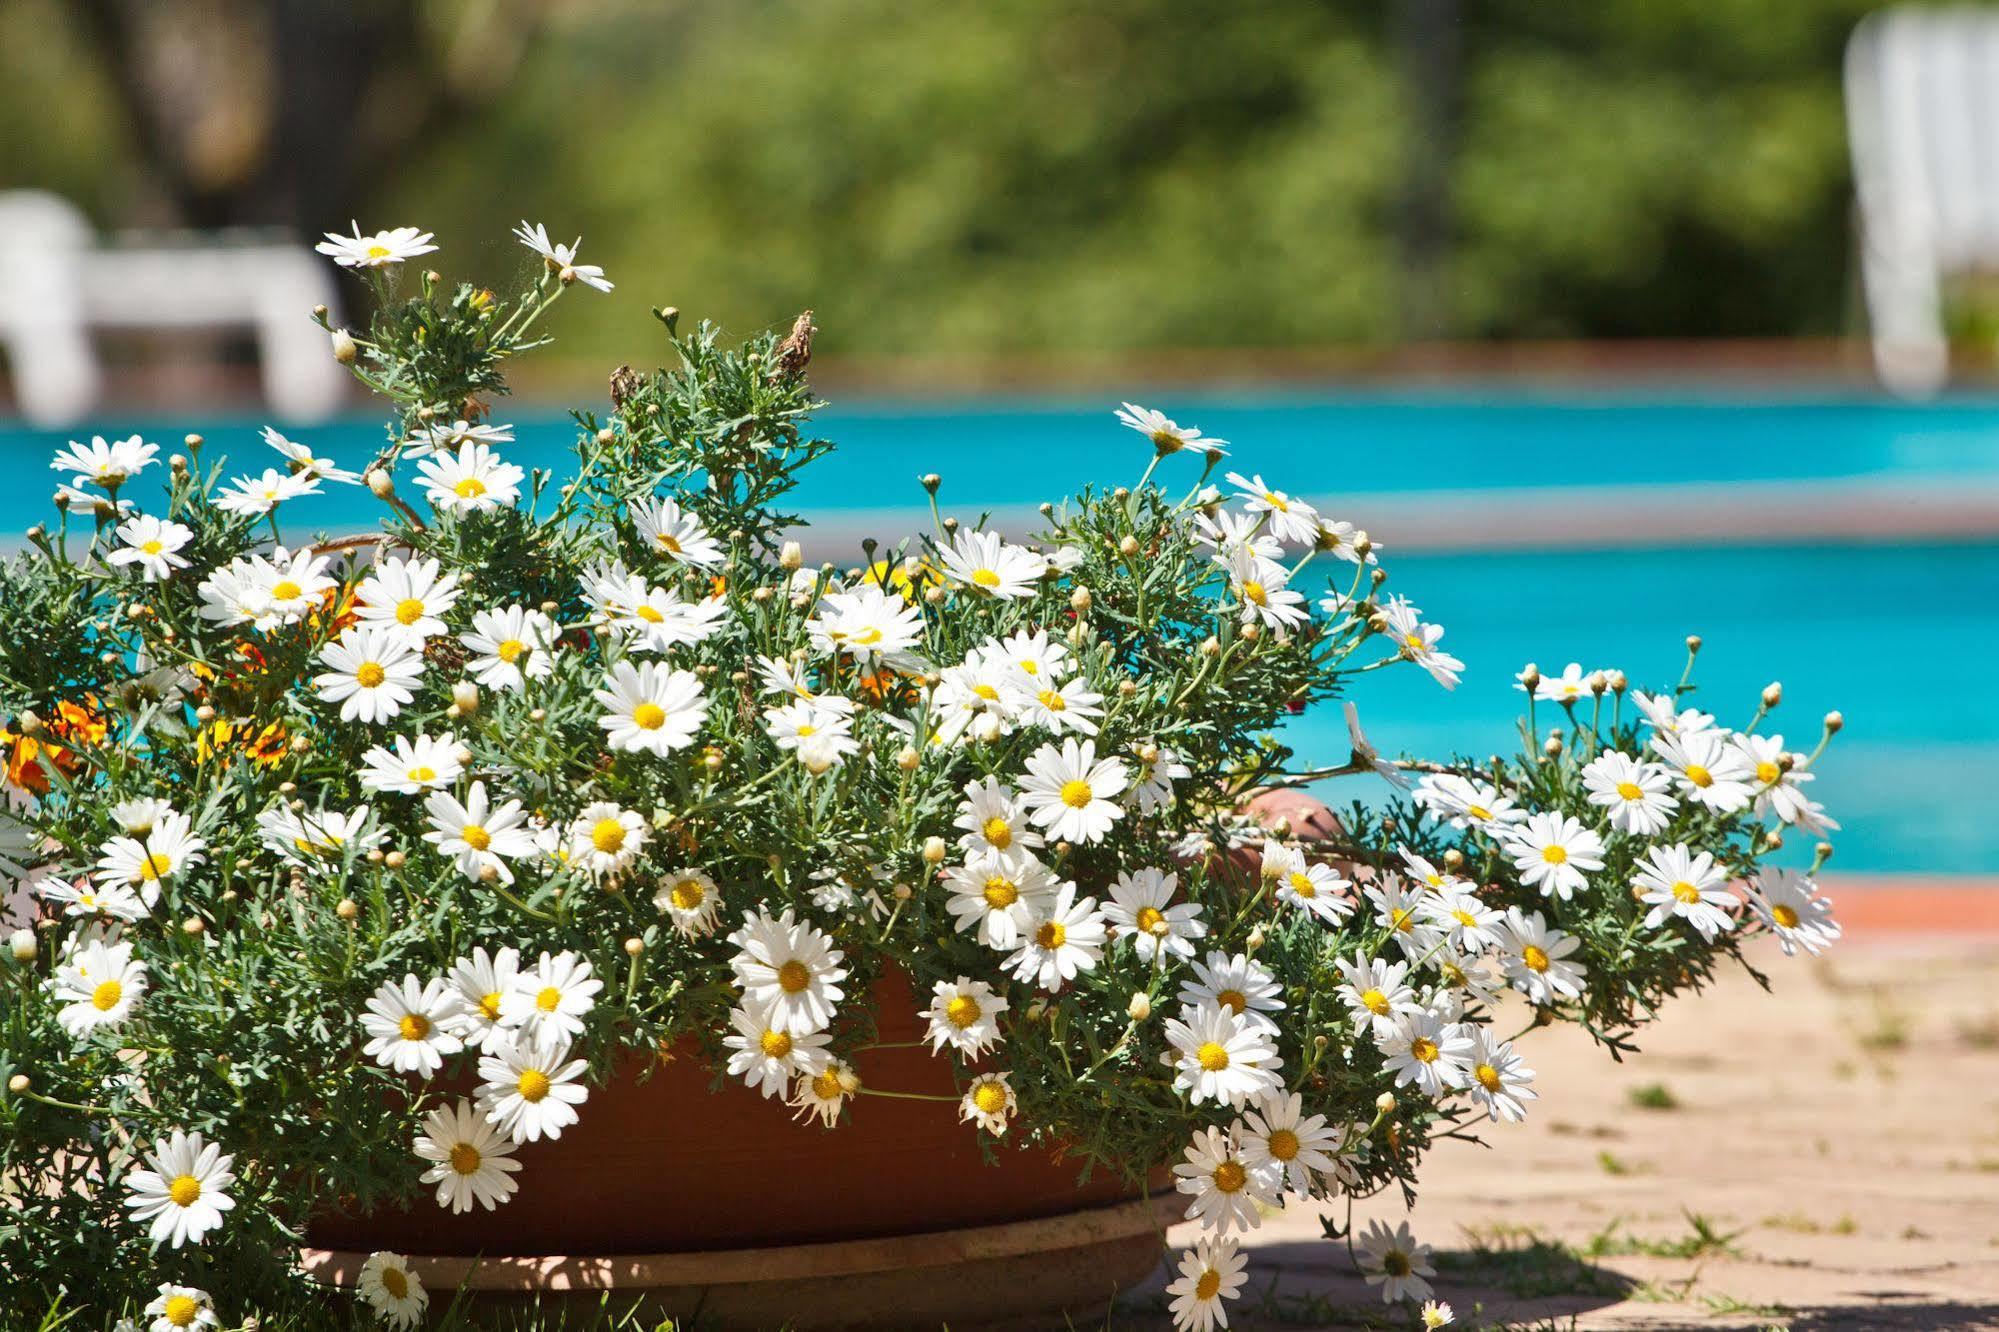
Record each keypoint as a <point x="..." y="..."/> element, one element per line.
<point x="1822" y="1157"/>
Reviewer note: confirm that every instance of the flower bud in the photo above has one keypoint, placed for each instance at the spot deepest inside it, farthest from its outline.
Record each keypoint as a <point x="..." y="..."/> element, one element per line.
<point x="204" y="714"/>
<point x="1128" y="547"/>
<point x="1384" y="1103"/>
<point x="395" y="860"/>
<point x="607" y="436"/>
<point x="903" y="892"/>
<point x="1256" y="938"/>
<point x="985" y="728"/>
<point x="1530" y="677"/>
<point x="1598" y="683"/>
<point x="380" y="482"/>
<point x="1619" y="682"/>
<point x="1773" y="693"/>
<point x="194" y="925"/>
<point x="934" y="850"/>
<point x="343" y="346"/>
<point x="1140" y="1007"/>
<point x="1252" y="632"/>
<point x="907" y="759"/>
<point x="1693" y="644"/>
<point x="1834" y="723"/>
<point x="634" y="946"/>
<point x="1553" y="747"/>
<point x="18" y="1083"/>
<point x="29" y="722"/>
<point x="1211" y="646"/>
<point x="1080" y="601"/>
<point x="790" y="557"/>
<point x="23" y="945"/>
<point x="934" y="595"/>
<point x="347" y="909"/>
<point x="931" y="481"/>
<point x="465" y="697"/>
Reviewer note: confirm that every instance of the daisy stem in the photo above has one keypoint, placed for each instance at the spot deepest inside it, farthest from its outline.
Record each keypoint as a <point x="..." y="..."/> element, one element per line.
<point x="520" y="905"/>
<point x="63" y="1105"/>
<point x="866" y="1090"/>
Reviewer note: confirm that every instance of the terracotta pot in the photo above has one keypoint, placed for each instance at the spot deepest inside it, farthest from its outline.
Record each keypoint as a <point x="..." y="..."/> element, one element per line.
<point x="670" y="1187"/>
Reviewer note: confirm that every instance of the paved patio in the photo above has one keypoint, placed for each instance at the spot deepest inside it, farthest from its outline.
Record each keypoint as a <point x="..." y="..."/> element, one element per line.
<point x="1825" y="1156"/>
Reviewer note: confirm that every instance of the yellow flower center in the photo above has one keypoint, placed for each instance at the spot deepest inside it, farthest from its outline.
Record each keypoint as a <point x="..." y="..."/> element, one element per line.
<point x="1283" y="1144"/>
<point x="1402" y="919"/>
<point x="396" y="1282"/>
<point x="650" y="615"/>
<point x="414" y="1026"/>
<point x="1488" y="1077"/>
<point x="470" y="488"/>
<point x="649" y="716"/>
<point x="688" y="894"/>
<point x="1375" y="1002"/>
<point x="106" y="996"/>
<point x="997" y="833"/>
<point x="1208" y="1285"/>
<point x="185" y="1190"/>
<point x="155" y="866"/>
<point x="1233" y="1000"/>
<point x="1052" y="934"/>
<point x="509" y="650"/>
<point x="489" y="1005"/>
<point x="548" y="999"/>
<point x="986" y="691"/>
<point x="1275" y="499"/>
<point x="1302" y="885"/>
<point x="422" y="774"/>
<point x="1053" y="701"/>
<point x="608" y="836"/>
<point x="963" y="1011"/>
<point x="1076" y="793"/>
<point x="989" y="1097"/>
<point x="985" y="578"/>
<point x="1785" y="915"/>
<point x="1213" y="1056"/>
<point x="1395" y="1263"/>
<point x="533" y="1085"/>
<point x="793" y="976"/>
<point x="776" y="1044"/>
<point x="475" y="837"/>
<point x="867" y="637"/>
<point x="1699" y="776"/>
<point x="379" y="251"/>
<point x="827" y="1086"/>
<point x="369" y="674"/>
<point x="465" y="1159"/>
<point x="1423" y="1050"/>
<point x="409" y="610"/>
<point x="1555" y="855"/>
<point x="1686" y="892"/>
<point x="668" y="542"/>
<point x="1631" y="790"/>
<point x="1150" y="920"/>
<point x="1479" y="812"/>
<point x="1768" y="772"/>
<point x="1001" y="893"/>
<point x="181" y="1310"/>
<point x="152" y="547"/>
<point x="1536" y="959"/>
<point x="1253" y="592"/>
<point x="1229" y="1177"/>
<point x="287" y="590"/>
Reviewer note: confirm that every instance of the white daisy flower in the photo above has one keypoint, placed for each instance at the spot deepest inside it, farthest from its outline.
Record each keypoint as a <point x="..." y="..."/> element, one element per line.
<point x="799" y="726"/>
<point x="409" y="597"/>
<point x="1662" y="712"/>
<point x="1001" y="896"/>
<point x="407" y="766"/>
<point x="1138" y="909"/>
<point x="1293" y="521"/>
<point x="386" y="1284"/>
<point x="1165" y="434"/>
<point x="561" y="259"/>
<point x="1425" y="1050"/>
<point x="380" y="249"/>
<point x="182" y="1190"/>
<point x="769" y="1056"/>
<point x="1230" y="533"/>
<point x="509" y="646"/>
<point x="1677" y="881"/>
<point x="1071" y="706"/>
<point x="115" y="898"/>
<point x="1779" y="777"/>
<point x="471" y="480"/>
<point x="984" y="563"/>
<point x="1277" y="1135"/>
<point x="478" y="984"/>
<point x="866" y="623"/>
<point x="99" y="984"/>
<point x="1499" y="1077"/>
<point x="790" y="968"/>
<point x="1465" y="974"/>
<point x="1377" y="991"/>
<point x="1789" y="906"/>
<point x="1417" y="641"/>
<point x="653" y="619"/>
<point x="255" y="496"/>
<point x="604" y="839"/>
<point x="989" y="1102"/>
<point x="1468" y="923"/>
<point x="1237" y="984"/>
<point x="1212" y="1271"/>
<point x="1571" y="686"/>
<point x="675" y="533"/>
<point x="1395" y="1261"/>
<point x="1058" y="943"/>
<point x="1555" y="853"/>
<point x="1466" y="804"/>
<point x="1228" y="1193"/>
<point x="1343" y="541"/>
<point x="451" y="436"/>
<point x="1402" y="908"/>
<point x="1259" y="586"/>
<point x="408" y="1028"/>
<point x="529" y="1087"/>
<point x="1534" y="959"/>
<point x="1152" y="780"/>
<point x="477" y="835"/>
<point x="691" y="899"/>
<point x="964" y="1014"/>
<point x="1222" y="1057"/>
<point x="137" y="817"/>
<point x="373" y="673"/>
<point x="1435" y="1314"/>
<point x="317" y="839"/>
<point x="550" y="999"/>
<point x="1365" y="752"/>
<point x="470" y="1160"/>
<point x="823" y="1094"/>
<point x="651" y="708"/>
<point x="993" y="820"/>
<point x="1708" y="769"/>
<point x="98" y="506"/>
<point x="303" y="461"/>
<point x="1036" y="655"/>
<point x="152" y="545"/>
<point x="1309" y="886"/>
<point x="105" y="464"/>
<point x="171" y="848"/>
<point x="1635" y="793"/>
<point x="180" y="1308"/>
<point x="1070" y="793"/>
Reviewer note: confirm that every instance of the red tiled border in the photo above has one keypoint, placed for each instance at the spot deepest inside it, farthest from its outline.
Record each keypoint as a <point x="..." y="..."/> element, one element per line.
<point x="1886" y="904"/>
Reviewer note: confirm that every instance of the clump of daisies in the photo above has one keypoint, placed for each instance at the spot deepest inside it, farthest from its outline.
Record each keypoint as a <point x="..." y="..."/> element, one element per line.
<point x="348" y="867"/>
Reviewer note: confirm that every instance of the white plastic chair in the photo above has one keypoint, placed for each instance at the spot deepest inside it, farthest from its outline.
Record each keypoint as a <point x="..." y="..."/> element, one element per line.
<point x="1922" y="104"/>
<point x="57" y="284"/>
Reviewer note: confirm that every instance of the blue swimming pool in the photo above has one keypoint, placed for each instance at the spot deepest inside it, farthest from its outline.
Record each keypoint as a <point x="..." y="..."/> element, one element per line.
<point x="1898" y="631"/>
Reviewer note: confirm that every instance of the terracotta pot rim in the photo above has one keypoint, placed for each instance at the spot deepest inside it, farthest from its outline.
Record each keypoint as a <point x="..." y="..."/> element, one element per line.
<point x="780" y="1263"/>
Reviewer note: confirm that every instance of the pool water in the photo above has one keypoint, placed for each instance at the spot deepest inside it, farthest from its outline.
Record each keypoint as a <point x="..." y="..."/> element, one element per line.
<point x="1900" y="636"/>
